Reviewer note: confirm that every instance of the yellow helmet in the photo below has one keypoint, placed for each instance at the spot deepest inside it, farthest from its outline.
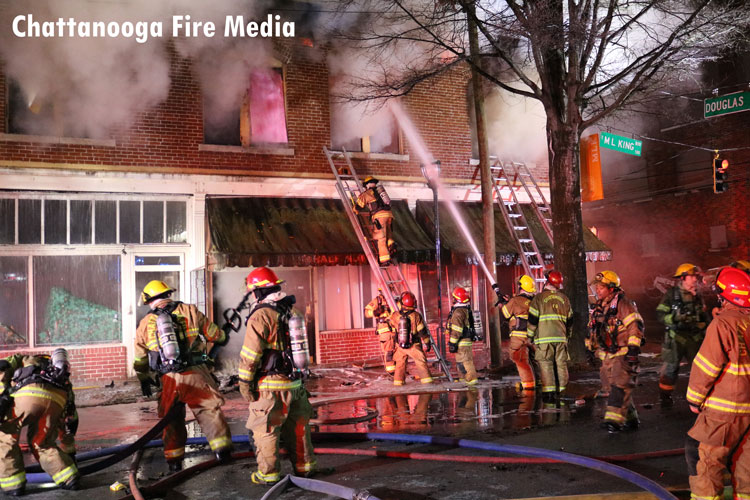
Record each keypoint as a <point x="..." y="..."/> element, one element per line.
<point x="154" y="289"/>
<point x="742" y="265"/>
<point x="527" y="283"/>
<point x="687" y="269"/>
<point x="368" y="180"/>
<point x="608" y="278"/>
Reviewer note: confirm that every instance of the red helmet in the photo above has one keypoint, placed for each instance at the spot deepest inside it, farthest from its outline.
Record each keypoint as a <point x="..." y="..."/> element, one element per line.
<point x="555" y="278"/>
<point x="262" y="278"/>
<point x="408" y="300"/>
<point x="734" y="286"/>
<point x="461" y="295"/>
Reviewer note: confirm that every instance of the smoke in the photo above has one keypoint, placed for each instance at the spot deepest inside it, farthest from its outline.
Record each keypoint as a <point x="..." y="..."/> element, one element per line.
<point x="516" y="127"/>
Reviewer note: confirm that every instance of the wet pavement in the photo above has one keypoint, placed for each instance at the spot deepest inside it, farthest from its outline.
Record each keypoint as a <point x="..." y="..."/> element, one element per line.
<point x="493" y="411"/>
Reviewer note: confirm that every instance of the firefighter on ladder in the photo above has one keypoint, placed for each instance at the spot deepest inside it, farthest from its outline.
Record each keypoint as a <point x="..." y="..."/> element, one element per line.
<point x="516" y="310"/>
<point x="171" y="341"/>
<point x="550" y="318"/>
<point x="719" y="392"/>
<point x="378" y="309"/>
<point x="616" y="334"/>
<point x="273" y="362"/>
<point x="462" y="335"/>
<point x="685" y="318"/>
<point x="412" y="340"/>
<point x="375" y="200"/>
<point x="35" y="395"/>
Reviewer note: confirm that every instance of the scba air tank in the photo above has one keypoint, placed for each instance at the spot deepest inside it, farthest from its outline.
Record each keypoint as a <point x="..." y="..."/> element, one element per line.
<point x="404" y="332"/>
<point x="478" y="327"/>
<point x="298" y="340"/>
<point x="380" y="190"/>
<point x="60" y="360"/>
<point x="170" y="349"/>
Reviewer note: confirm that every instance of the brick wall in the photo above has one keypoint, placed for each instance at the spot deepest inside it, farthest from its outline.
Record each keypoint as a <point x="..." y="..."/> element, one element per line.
<point x="90" y="364"/>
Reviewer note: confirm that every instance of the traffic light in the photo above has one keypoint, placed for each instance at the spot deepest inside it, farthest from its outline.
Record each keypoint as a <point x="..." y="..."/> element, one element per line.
<point x="721" y="174"/>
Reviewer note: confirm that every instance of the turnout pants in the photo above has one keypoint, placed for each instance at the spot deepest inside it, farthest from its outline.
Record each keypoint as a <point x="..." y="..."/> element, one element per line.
<point x="387" y="346"/>
<point x="674" y="350"/>
<point x="402" y="356"/>
<point x="519" y="353"/>
<point x="38" y="407"/>
<point x="281" y="416"/>
<point x="193" y="387"/>
<point x="553" y="362"/>
<point x="622" y="380"/>
<point x="383" y="236"/>
<point x="723" y="445"/>
<point x="605" y="371"/>
<point x="465" y="364"/>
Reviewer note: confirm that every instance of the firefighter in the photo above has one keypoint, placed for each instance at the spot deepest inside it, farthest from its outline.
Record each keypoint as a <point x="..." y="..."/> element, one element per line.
<point x="35" y="396"/>
<point x="171" y="342"/>
<point x="378" y="309"/>
<point x="719" y="392"/>
<point x="462" y="335"/>
<point x="412" y="340"/>
<point x="375" y="200"/>
<point x="273" y="363"/>
<point x="550" y="318"/>
<point x="683" y="313"/>
<point x="516" y="310"/>
<point x="616" y="335"/>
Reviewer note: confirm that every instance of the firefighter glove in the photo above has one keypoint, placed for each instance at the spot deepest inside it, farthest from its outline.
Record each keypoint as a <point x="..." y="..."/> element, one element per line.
<point x="427" y="347"/>
<point x="377" y="224"/>
<point x="71" y="426"/>
<point x="632" y="354"/>
<point x="146" y="384"/>
<point x="4" y="365"/>
<point x="452" y="347"/>
<point x="249" y="392"/>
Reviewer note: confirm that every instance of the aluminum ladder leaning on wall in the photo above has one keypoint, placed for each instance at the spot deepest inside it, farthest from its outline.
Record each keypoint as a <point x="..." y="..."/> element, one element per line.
<point x="390" y="279"/>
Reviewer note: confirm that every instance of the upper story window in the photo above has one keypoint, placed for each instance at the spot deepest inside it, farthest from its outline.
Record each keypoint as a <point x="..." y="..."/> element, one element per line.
<point x="56" y="219"/>
<point x="358" y="132"/>
<point x="31" y="113"/>
<point x="260" y="116"/>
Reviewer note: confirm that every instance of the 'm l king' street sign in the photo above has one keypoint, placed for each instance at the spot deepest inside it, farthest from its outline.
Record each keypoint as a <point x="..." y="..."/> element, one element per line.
<point x="619" y="143"/>
<point x="726" y="104"/>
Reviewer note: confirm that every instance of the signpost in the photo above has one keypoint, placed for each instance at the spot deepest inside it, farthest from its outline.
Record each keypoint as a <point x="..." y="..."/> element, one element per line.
<point x="621" y="144"/>
<point x="726" y="104"/>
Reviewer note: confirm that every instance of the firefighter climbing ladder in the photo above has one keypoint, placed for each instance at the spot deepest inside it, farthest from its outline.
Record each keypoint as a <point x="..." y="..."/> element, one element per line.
<point x="389" y="278"/>
<point x="510" y="173"/>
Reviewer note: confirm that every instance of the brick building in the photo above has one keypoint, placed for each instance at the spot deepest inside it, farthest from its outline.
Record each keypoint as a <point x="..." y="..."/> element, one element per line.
<point x="85" y="223"/>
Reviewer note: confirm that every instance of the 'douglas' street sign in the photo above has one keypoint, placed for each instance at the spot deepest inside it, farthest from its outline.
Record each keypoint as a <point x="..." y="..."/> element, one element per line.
<point x="726" y="104"/>
<point x="619" y="143"/>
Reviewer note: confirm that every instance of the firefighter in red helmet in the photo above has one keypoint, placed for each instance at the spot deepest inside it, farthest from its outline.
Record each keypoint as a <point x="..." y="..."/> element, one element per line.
<point x="462" y="335"/>
<point x="719" y="392"/>
<point x="412" y="340"/>
<point x="516" y="310"/>
<point x="273" y="363"/>
<point x="375" y="200"/>
<point x="170" y="342"/>
<point x="550" y="318"/>
<point x="378" y="308"/>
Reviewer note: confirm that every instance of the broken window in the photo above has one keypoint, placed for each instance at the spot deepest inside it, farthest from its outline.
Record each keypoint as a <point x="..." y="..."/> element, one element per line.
<point x="358" y="131"/>
<point x="31" y="113"/>
<point x="13" y="302"/>
<point x="260" y="117"/>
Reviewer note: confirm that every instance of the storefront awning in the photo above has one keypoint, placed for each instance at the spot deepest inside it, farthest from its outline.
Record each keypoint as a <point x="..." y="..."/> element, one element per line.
<point x="452" y="239"/>
<point x="274" y="232"/>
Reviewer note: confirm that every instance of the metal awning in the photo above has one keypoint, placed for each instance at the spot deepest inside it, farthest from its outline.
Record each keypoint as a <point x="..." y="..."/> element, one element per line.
<point x="454" y="243"/>
<point x="252" y="231"/>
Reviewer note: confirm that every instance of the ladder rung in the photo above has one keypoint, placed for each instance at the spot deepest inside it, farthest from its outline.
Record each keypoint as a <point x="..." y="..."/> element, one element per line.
<point x="514" y="215"/>
<point x="519" y="228"/>
<point x="529" y="253"/>
<point x="536" y="266"/>
<point x="543" y="208"/>
<point x="524" y="240"/>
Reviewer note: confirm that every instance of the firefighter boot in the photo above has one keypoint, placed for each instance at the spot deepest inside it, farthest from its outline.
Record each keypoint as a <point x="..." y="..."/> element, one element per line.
<point x="611" y="427"/>
<point x="631" y="425"/>
<point x="224" y="455"/>
<point x="666" y="399"/>
<point x="174" y="466"/>
<point x="73" y="484"/>
<point x="256" y="478"/>
<point x="21" y="490"/>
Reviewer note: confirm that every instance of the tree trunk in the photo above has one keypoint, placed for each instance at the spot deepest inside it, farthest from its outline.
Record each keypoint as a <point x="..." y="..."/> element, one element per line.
<point x="488" y="216"/>
<point x="567" y="226"/>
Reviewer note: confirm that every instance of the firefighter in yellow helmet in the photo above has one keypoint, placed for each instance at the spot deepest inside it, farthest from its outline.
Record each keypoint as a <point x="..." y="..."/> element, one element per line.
<point x="35" y="395"/>
<point x="171" y="342"/>
<point x="685" y="318"/>
<point x="516" y="311"/>
<point x="378" y="309"/>
<point x="616" y="334"/>
<point x="460" y="323"/>
<point x="273" y="363"/>
<point x="412" y="340"/>
<point x="375" y="200"/>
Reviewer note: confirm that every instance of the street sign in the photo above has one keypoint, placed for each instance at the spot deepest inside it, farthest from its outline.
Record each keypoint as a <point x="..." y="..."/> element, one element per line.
<point x="726" y="104"/>
<point x="619" y="143"/>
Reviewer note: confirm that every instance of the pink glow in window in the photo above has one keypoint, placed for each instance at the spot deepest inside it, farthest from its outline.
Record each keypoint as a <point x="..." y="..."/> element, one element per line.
<point x="267" y="113"/>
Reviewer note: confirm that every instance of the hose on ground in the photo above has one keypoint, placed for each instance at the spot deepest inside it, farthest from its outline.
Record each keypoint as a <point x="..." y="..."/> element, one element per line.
<point x="137" y="495"/>
<point x="332" y="489"/>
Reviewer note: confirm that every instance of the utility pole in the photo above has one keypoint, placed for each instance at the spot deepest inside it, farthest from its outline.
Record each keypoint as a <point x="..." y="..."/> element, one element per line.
<point x="488" y="216"/>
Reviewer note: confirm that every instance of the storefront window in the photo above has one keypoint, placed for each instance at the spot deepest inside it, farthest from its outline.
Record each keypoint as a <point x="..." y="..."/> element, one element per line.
<point x="13" y="299"/>
<point x="77" y="299"/>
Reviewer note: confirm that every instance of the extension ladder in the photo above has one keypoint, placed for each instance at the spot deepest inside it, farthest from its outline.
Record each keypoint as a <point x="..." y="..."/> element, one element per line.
<point x="389" y="278"/>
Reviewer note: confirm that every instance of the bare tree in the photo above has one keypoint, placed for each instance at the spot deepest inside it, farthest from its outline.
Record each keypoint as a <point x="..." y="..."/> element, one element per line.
<point x="582" y="59"/>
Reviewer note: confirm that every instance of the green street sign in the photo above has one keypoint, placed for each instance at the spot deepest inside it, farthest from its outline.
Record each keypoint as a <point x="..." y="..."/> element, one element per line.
<point x="726" y="104"/>
<point x="619" y="143"/>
